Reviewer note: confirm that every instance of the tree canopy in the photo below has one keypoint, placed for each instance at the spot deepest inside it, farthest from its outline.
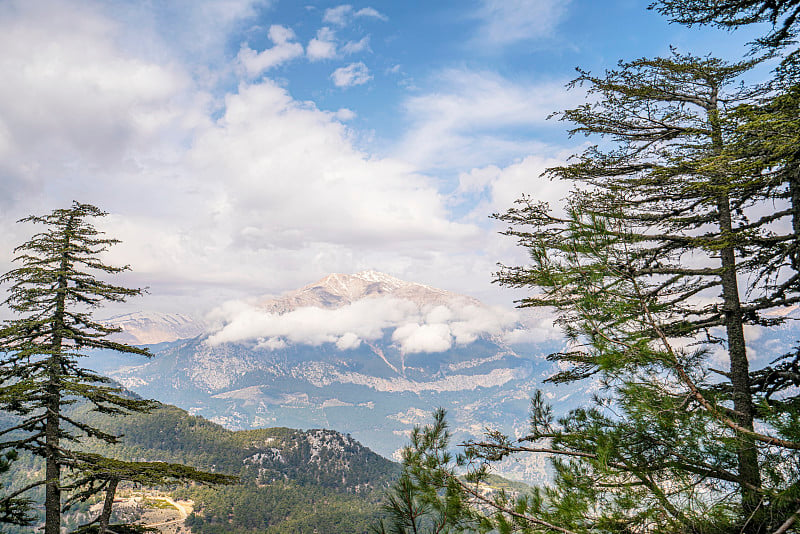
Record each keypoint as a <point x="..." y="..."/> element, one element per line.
<point x="680" y="232"/>
<point x="55" y="290"/>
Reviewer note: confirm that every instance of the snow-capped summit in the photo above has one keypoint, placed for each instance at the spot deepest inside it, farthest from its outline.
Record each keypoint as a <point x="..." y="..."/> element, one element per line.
<point x="147" y="328"/>
<point x="337" y="290"/>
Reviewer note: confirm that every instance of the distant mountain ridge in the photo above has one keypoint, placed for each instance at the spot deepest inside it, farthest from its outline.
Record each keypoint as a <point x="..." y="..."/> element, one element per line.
<point x="149" y="328"/>
<point x="336" y="290"/>
<point x="365" y="353"/>
<point x="308" y="359"/>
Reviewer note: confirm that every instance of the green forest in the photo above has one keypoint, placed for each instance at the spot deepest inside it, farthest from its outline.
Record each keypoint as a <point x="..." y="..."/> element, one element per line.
<point x="681" y="231"/>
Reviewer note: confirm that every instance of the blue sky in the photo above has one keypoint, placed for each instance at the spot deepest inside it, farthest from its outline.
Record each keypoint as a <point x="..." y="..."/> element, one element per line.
<point x="247" y="147"/>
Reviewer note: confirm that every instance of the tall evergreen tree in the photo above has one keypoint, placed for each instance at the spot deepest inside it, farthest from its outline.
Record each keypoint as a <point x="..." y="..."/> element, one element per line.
<point x="55" y="290"/>
<point x="427" y="498"/>
<point x="669" y="215"/>
<point x="673" y="180"/>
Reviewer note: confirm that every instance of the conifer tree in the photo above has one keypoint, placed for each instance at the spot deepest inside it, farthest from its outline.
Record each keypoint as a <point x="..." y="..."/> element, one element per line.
<point x="644" y="269"/>
<point x="427" y="498"/>
<point x="99" y="474"/>
<point x="783" y="15"/>
<point x="55" y="291"/>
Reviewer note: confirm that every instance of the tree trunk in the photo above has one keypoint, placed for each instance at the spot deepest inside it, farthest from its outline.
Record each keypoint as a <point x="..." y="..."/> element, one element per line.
<point x="105" y="515"/>
<point x="52" y="500"/>
<point x="747" y="454"/>
<point x="794" y="190"/>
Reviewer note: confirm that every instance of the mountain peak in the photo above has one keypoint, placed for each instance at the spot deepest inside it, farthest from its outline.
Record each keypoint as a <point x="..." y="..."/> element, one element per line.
<point x="339" y="289"/>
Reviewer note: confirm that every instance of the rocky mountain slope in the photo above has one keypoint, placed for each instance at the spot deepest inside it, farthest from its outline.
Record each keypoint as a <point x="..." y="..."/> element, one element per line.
<point x="149" y="328"/>
<point x="337" y="290"/>
<point x="373" y="355"/>
<point x="290" y="480"/>
<point x="367" y="354"/>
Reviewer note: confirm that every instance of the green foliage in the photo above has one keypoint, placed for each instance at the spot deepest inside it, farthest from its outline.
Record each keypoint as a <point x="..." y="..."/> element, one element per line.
<point x="281" y="507"/>
<point x="280" y="488"/>
<point x="781" y="14"/>
<point x="16" y="511"/>
<point x="428" y="496"/>
<point x="55" y="290"/>
<point x="693" y="190"/>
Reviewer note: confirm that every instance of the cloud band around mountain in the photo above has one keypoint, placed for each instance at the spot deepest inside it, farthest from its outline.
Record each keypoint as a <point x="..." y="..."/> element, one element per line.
<point x="416" y="328"/>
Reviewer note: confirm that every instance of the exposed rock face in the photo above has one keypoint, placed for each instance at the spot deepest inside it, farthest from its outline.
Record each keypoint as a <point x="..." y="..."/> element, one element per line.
<point x="336" y="290"/>
<point x="375" y="389"/>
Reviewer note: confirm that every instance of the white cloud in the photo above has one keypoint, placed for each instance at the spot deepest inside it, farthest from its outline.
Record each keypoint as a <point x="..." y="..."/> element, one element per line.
<point x="213" y="195"/>
<point x="353" y="74"/>
<point x="371" y="12"/>
<point x="508" y="21"/>
<point x="323" y="46"/>
<point x="338" y="15"/>
<point x="471" y="118"/>
<point x="423" y="338"/>
<point x="341" y="15"/>
<point x="500" y="187"/>
<point x="70" y="98"/>
<point x="345" y="114"/>
<point x="207" y="196"/>
<point x="348" y="341"/>
<point x="273" y="343"/>
<point x="354" y="47"/>
<point x="364" y="319"/>
<point x="285" y="49"/>
<point x="417" y="328"/>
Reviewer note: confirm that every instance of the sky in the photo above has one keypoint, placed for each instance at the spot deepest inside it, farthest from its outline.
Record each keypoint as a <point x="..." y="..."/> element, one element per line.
<point x="249" y="147"/>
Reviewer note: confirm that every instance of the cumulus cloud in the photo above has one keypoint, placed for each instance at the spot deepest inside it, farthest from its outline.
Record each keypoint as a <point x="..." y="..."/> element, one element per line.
<point x="416" y="327"/>
<point x="353" y="74"/>
<point x="73" y="104"/>
<point x="371" y="12"/>
<point x="423" y="337"/>
<point x="348" y="341"/>
<point x="473" y="117"/>
<point x="508" y="21"/>
<point x="285" y="49"/>
<point x="364" y="319"/>
<point x="500" y="187"/>
<point x="323" y="46"/>
<point x="341" y="15"/>
<point x="211" y="196"/>
<point x="243" y="190"/>
<point x="326" y="46"/>
<point x="338" y="15"/>
<point x="354" y="47"/>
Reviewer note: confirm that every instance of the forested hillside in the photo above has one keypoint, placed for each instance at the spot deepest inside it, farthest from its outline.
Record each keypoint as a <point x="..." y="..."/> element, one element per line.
<point x="290" y="480"/>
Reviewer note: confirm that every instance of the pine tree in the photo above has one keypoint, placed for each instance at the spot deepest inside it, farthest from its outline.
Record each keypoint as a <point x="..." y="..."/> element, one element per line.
<point x="100" y="474"/>
<point x="675" y="208"/>
<point x="427" y="498"/>
<point x="674" y="179"/>
<point x="55" y="290"/>
<point x="781" y="14"/>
